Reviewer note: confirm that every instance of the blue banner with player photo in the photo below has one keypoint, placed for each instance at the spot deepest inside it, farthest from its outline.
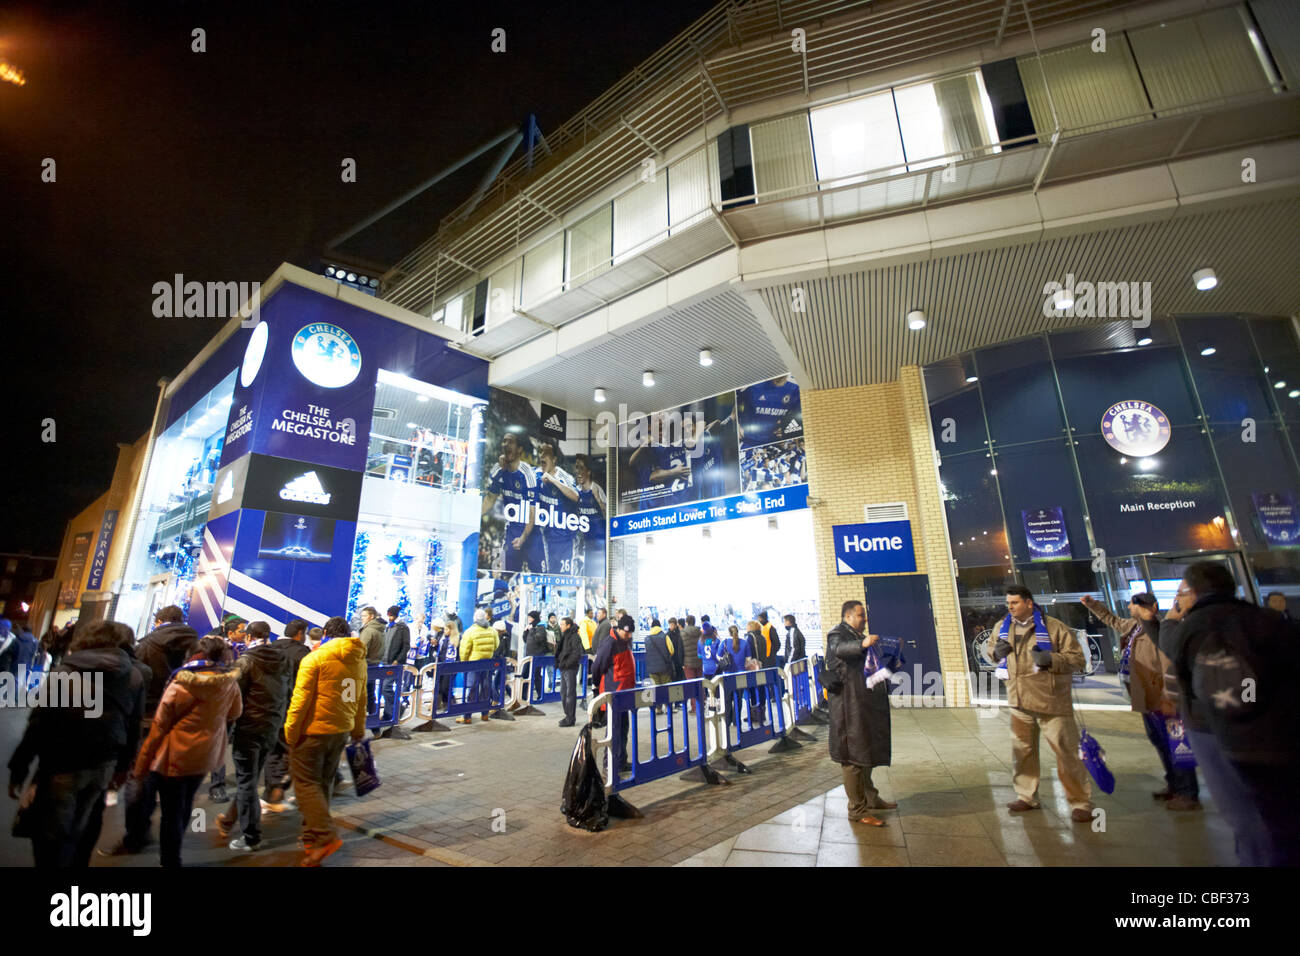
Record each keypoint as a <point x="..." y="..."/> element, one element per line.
<point x="1278" y="521"/>
<point x="743" y="442"/>
<point x="1046" y="534"/>
<point x="711" y="512"/>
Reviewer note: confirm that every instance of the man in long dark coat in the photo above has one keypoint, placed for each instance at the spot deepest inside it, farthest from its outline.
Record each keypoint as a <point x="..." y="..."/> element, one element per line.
<point x="860" y="722"/>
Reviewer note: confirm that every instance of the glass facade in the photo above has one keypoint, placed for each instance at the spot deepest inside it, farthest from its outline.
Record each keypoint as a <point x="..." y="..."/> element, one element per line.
<point x="1082" y="462"/>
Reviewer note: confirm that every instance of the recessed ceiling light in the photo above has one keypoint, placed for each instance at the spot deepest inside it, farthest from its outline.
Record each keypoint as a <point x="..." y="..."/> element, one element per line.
<point x="706" y="357"/>
<point x="648" y="378"/>
<point x="1145" y="340"/>
<point x="422" y="398"/>
<point x="1062" y="300"/>
<point x="1294" y="393"/>
<point x="412" y="425"/>
<point x="599" y="395"/>
<point x="1208" y="350"/>
<point x="1205" y="279"/>
<point x="1279" y="384"/>
<point x="916" y="320"/>
<point x="352" y="277"/>
<point x="972" y="378"/>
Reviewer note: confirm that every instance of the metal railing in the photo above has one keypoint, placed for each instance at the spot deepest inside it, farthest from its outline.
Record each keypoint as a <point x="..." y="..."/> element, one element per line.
<point x="706" y="71"/>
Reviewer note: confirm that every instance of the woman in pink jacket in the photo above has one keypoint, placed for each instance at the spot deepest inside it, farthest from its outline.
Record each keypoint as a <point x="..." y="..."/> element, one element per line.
<point x="188" y="738"/>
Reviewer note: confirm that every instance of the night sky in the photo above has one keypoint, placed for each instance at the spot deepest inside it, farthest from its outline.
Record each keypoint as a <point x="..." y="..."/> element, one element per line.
<point x="220" y="165"/>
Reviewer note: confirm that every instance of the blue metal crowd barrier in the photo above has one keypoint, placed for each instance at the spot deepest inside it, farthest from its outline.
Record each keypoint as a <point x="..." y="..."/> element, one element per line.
<point x="543" y="680"/>
<point x="815" y="663"/>
<point x="639" y="658"/>
<point x="383" y="695"/>
<point x="753" y="710"/>
<point x="682" y="736"/>
<point x="475" y="687"/>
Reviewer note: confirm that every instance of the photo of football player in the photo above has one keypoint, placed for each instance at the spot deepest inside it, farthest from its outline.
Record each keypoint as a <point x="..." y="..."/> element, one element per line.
<point x="770" y="411"/>
<point x="514" y="483"/>
<point x="558" y="495"/>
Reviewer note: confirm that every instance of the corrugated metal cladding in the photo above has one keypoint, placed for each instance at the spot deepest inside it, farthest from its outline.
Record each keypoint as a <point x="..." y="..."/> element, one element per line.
<point x="854" y="330"/>
<point x="670" y="346"/>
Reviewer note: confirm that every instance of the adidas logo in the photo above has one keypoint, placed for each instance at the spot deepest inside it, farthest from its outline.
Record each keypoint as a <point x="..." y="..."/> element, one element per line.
<point x="306" y="487"/>
<point x="553" y="423"/>
<point x="794" y="426"/>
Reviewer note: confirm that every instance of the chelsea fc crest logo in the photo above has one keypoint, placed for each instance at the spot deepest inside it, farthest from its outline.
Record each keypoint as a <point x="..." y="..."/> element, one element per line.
<point x="1136" y="429"/>
<point x="326" y="355"/>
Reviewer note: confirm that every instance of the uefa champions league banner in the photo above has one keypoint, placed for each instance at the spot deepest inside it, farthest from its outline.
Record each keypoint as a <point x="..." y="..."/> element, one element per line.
<point x="544" y="505"/>
<point x="1278" y="521"/>
<point x="743" y="442"/>
<point x="1046" y="534"/>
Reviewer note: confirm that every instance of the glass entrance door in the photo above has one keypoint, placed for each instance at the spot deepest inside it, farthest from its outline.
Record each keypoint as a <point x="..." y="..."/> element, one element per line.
<point x="1161" y="573"/>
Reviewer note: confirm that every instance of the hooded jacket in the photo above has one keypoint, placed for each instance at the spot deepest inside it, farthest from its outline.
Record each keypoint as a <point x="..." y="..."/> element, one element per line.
<point x="536" y="641"/>
<point x="794" y="645"/>
<point x="64" y="739"/>
<point x="188" y="734"/>
<point x="398" y="643"/>
<point x="1222" y="643"/>
<point x="1147" y="664"/>
<point x="614" y="665"/>
<point x="294" y="652"/>
<point x="658" y="659"/>
<point x="263" y="678"/>
<point x="1043" y="692"/>
<point x="690" y="646"/>
<point x="163" y="650"/>
<point x="330" y="694"/>
<point x="375" y="641"/>
<point x="478" y="643"/>
<point x="569" y="651"/>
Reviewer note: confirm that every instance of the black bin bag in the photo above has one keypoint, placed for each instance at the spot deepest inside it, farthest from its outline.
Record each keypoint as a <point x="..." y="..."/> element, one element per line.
<point x="583" y="801"/>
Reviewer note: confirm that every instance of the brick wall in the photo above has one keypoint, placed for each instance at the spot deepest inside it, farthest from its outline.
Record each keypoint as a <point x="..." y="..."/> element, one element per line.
<point x="867" y="445"/>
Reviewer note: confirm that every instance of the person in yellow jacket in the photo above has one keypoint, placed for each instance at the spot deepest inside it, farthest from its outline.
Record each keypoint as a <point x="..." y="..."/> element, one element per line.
<point x="327" y="708"/>
<point x="479" y="643"/>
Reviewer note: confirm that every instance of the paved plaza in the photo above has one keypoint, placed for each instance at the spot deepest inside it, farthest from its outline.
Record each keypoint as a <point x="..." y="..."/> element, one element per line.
<point x="489" y="794"/>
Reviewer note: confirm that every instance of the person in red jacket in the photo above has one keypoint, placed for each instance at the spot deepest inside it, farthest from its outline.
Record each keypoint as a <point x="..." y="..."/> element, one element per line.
<point x="615" y="669"/>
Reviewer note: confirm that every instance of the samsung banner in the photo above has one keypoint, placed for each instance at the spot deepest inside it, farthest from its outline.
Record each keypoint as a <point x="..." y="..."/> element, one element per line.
<point x="1046" y="534"/>
<point x="877" y="547"/>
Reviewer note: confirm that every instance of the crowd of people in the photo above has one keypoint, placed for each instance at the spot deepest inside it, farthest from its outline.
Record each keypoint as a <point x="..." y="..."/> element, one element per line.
<point x="1209" y="679"/>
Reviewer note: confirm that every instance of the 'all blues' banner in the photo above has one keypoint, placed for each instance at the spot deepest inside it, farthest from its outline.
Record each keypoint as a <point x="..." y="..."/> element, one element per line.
<point x="1046" y="534"/>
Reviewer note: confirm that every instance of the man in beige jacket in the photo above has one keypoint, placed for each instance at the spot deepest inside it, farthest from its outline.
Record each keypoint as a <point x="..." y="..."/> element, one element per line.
<point x="1040" y="654"/>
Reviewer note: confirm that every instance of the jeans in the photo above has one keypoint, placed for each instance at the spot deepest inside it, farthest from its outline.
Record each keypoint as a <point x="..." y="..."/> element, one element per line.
<point x="569" y="694"/>
<point x="139" y="796"/>
<point x="1255" y="800"/>
<point x="277" y="767"/>
<point x="65" y="805"/>
<point x="314" y="760"/>
<point x="1180" y="781"/>
<point x="250" y="753"/>
<point x="177" y="797"/>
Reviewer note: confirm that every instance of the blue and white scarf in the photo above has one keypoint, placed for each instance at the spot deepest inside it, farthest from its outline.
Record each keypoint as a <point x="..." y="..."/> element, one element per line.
<point x="1041" y="641"/>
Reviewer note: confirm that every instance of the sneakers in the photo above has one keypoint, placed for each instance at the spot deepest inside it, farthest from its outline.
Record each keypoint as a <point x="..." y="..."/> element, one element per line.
<point x="120" y="848"/>
<point x="239" y="844"/>
<point x="1179" y="802"/>
<point x="465" y="720"/>
<point x="218" y="794"/>
<point x="1020" y="806"/>
<point x="317" y="854"/>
